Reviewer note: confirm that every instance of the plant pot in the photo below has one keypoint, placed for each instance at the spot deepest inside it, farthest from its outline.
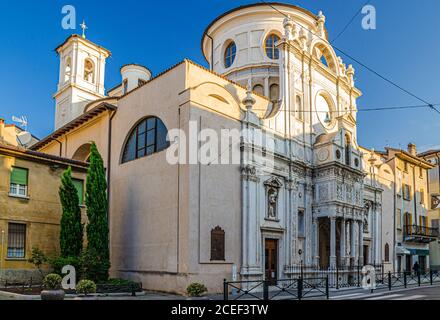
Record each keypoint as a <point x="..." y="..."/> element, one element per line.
<point x="52" y="295"/>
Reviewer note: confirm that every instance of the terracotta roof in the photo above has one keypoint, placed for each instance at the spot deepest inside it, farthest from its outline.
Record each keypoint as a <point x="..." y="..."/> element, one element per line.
<point x="39" y="156"/>
<point x="408" y="156"/>
<point x="104" y="106"/>
<point x="80" y="37"/>
<point x="429" y="152"/>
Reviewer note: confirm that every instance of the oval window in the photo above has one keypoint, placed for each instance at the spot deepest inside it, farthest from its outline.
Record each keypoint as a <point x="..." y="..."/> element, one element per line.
<point x="230" y="53"/>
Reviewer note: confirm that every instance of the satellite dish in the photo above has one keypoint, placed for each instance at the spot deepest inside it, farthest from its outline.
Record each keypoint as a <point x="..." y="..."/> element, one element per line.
<point x="24" y="138"/>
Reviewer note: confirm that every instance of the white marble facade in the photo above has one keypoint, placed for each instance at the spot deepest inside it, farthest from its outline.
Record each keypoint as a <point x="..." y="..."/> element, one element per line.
<point x="311" y="200"/>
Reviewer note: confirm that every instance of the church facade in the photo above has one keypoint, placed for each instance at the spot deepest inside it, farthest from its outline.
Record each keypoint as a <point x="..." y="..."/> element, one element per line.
<point x="298" y="197"/>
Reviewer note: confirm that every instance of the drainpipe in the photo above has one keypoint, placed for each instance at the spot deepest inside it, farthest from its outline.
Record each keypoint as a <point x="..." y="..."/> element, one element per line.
<point x="211" y="64"/>
<point x="109" y="148"/>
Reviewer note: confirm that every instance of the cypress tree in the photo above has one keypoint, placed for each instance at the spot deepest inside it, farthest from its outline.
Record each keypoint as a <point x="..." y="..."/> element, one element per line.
<point x="71" y="233"/>
<point x="97" y="213"/>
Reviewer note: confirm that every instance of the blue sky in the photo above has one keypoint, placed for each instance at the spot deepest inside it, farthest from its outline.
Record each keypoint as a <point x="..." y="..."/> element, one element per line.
<point x="404" y="48"/>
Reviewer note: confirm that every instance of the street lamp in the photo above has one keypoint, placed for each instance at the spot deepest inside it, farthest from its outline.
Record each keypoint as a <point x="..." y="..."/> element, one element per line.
<point x="372" y="162"/>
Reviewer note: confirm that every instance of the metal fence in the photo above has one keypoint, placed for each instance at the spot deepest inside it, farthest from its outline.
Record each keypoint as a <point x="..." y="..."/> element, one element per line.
<point x="339" y="277"/>
<point x="406" y="279"/>
<point x="282" y="289"/>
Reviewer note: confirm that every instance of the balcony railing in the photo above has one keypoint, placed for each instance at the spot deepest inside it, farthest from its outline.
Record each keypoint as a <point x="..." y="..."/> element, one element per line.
<point x="422" y="233"/>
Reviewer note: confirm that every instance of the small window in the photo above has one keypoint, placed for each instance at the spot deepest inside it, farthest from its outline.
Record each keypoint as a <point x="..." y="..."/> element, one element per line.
<point x="148" y="137"/>
<point x="422" y="196"/>
<point x="258" y="88"/>
<point x="16" y="241"/>
<point x="125" y="83"/>
<point x="79" y="186"/>
<point x="421" y="173"/>
<point x="399" y="219"/>
<point x="405" y="166"/>
<point x="347" y="150"/>
<point x="141" y="82"/>
<point x="271" y="50"/>
<point x="274" y="92"/>
<point x="299" y="108"/>
<point x="301" y="223"/>
<point x="406" y="192"/>
<point x="89" y="71"/>
<point x="217" y="244"/>
<point x="387" y="252"/>
<point x="230" y="53"/>
<point x="68" y="70"/>
<point x="19" y="182"/>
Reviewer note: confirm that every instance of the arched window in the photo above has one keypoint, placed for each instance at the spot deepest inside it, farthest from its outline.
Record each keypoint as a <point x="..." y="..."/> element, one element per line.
<point x="68" y="70"/>
<point x="258" y="88"/>
<point x="387" y="252"/>
<point x="271" y="50"/>
<point x="299" y="108"/>
<point x="347" y="150"/>
<point x="230" y="52"/>
<point x="89" y="71"/>
<point x="217" y="244"/>
<point x="148" y="137"/>
<point x="274" y="92"/>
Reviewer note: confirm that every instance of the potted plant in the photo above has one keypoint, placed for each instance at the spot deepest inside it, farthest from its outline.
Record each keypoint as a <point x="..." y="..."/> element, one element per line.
<point x="86" y="287"/>
<point x="52" y="288"/>
<point x="196" y="290"/>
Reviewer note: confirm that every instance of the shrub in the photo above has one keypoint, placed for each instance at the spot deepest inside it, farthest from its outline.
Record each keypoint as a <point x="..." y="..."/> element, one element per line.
<point x="52" y="282"/>
<point x="38" y="258"/>
<point x="57" y="264"/>
<point x="85" y="287"/>
<point x="94" y="266"/>
<point x="196" y="289"/>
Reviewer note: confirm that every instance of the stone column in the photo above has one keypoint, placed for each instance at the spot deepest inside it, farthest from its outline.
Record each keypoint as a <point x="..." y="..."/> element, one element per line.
<point x="353" y="242"/>
<point x="316" y="242"/>
<point x="361" y="242"/>
<point x="332" y="242"/>
<point x="342" y="249"/>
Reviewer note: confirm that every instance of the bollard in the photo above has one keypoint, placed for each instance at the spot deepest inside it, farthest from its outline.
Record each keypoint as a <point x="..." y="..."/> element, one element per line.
<point x="418" y="278"/>
<point x="430" y="277"/>
<point x="225" y="290"/>
<point x="404" y="279"/>
<point x="389" y="280"/>
<point x="327" y="290"/>
<point x="265" y="290"/>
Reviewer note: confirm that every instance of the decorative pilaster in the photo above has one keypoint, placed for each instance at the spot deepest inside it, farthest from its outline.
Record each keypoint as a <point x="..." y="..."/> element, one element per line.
<point x="361" y="243"/>
<point x="316" y="242"/>
<point x="342" y="243"/>
<point x="354" y="254"/>
<point x="332" y="242"/>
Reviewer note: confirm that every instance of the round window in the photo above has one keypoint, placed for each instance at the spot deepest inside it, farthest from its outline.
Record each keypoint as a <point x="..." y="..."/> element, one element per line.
<point x="324" y="111"/>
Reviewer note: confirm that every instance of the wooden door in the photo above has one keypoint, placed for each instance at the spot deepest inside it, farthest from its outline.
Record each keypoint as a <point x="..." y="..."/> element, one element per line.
<point x="271" y="260"/>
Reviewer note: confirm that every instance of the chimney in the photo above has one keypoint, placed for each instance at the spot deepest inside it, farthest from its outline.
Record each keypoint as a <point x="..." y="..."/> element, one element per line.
<point x="2" y="129"/>
<point x="412" y="150"/>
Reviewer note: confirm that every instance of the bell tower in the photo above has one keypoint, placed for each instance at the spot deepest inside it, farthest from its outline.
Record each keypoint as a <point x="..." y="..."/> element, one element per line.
<point x="81" y="78"/>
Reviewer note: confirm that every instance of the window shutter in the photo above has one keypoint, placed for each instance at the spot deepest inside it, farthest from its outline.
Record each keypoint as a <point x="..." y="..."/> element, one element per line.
<point x="19" y="176"/>
<point x="79" y="185"/>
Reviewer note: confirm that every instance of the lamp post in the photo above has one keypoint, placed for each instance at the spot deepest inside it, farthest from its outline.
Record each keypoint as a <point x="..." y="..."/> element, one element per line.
<point x="372" y="162"/>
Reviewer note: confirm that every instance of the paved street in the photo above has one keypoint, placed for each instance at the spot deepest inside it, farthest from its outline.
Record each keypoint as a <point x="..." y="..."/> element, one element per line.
<point x="416" y="293"/>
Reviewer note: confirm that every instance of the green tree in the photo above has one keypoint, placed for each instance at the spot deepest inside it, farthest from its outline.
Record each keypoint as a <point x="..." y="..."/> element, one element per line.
<point x="71" y="234"/>
<point x="97" y="213"/>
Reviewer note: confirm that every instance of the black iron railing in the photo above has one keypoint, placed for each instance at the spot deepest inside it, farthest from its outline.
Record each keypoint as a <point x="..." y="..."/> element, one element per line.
<point x="282" y="289"/>
<point x="420" y="231"/>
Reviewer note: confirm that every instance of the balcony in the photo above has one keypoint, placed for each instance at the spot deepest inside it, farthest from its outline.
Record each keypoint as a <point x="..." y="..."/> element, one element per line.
<point x="420" y="234"/>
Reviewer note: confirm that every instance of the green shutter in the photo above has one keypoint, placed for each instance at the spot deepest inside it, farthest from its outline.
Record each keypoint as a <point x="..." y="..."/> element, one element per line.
<point x="19" y="176"/>
<point x="79" y="185"/>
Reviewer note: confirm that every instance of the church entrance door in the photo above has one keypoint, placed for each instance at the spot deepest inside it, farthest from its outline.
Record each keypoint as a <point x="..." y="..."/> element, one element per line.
<point x="271" y="261"/>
